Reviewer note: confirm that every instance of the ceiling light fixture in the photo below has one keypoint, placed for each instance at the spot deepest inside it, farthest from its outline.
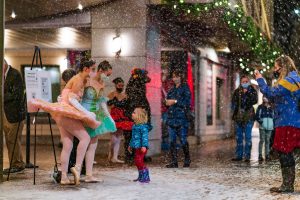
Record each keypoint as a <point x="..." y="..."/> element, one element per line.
<point x="80" y="7"/>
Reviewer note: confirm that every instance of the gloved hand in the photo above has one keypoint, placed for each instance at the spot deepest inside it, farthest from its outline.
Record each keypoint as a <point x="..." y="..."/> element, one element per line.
<point x="104" y="108"/>
<point x="74" y="102"/>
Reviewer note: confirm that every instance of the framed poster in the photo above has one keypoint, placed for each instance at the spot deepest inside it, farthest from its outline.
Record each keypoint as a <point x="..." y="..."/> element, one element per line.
<point x="54" y="74"/>
<point x="38" y="86"/>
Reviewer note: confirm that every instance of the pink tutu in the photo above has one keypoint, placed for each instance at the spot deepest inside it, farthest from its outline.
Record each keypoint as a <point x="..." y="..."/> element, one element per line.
<point x="64" y="109"/>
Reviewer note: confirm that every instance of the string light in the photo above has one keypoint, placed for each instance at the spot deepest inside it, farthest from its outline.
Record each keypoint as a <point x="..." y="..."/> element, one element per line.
<point x="245" y="29"/>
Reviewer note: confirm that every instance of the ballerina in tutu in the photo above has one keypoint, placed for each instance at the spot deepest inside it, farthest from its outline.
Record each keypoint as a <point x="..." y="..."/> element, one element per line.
<point x="70" y="118"/>
<point x="94" y="101"/>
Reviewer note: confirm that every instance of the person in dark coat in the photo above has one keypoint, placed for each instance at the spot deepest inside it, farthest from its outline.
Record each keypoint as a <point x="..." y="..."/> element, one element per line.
<point x="286" y="95"/>
<point x="243" y="99"/>
<point x="14" y="113"/>
<point x="136" y="97"/>
<point x="178" y="101"/>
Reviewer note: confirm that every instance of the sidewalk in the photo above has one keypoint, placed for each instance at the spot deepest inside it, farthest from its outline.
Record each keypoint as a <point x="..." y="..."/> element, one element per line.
<point x="211" y="176"/>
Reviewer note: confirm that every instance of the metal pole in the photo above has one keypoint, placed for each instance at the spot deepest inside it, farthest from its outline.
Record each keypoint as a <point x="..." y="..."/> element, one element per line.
<point x="2" y="6"/>
<point x="28" y="164"/>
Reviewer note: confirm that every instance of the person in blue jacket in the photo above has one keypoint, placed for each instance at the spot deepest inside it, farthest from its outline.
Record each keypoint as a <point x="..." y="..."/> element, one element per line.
<point x="265" y="116"/>
<point x="178" y="101"/>
<point x="285" y="94"/>
<point x="139" y="142"/>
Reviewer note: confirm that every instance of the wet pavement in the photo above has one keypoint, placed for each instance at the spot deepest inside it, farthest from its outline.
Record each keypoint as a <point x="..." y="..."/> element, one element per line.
<point x="212" y="175"/>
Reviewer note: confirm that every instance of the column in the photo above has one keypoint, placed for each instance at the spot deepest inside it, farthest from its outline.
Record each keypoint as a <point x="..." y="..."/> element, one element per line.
<point x="140" y="48"/>
<point x="2" y="5"/>
<point x="202" y="120"/>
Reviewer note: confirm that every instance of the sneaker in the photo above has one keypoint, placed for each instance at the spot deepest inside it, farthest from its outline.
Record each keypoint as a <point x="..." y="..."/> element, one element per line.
<point x="56" y="176"/>
<point x="186" y="163"/>
<point x="13" y="170"/>
<point x="247" y="160"/>
<point x="260" y="158"/>
<point x="236" y="159"/>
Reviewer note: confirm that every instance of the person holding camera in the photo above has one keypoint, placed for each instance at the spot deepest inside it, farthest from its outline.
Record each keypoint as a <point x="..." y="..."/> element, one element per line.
<point x="243" y="99"/>
<point x="285" y="94"/>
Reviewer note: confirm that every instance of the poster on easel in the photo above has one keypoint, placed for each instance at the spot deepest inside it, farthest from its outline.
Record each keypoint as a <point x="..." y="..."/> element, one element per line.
<point x="38" y="86"/>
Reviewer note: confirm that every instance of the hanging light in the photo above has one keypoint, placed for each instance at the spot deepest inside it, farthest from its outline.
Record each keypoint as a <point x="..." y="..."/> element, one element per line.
<point x="80" y="7"/>
<point x="117" y="45"/>
<point x="13" y="15"/>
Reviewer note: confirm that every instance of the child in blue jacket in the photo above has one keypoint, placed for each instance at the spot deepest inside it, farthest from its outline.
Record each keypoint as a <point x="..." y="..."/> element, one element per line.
<point x="139" y="143"/>
<point x="265" y="118"/>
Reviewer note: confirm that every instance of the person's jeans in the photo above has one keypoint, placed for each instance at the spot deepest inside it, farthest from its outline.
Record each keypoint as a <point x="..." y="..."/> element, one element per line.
<point x="181" y="132"/>
<point x="264" y="138"/>
<point x="243" y="131"/>
<point x="164" y="135"/>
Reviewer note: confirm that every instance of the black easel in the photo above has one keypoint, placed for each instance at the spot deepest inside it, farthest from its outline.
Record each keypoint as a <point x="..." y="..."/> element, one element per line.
<point x="37" y="57"/>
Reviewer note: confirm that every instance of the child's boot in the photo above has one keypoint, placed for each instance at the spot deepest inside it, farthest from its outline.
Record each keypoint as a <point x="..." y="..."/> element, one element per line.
<point x="139" y="177"/>
<point x="145" y="176"/>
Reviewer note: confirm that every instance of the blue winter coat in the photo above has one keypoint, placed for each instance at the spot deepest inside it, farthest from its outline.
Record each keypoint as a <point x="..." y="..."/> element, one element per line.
<point x="176" y="114"/>
<point x="285" y="97"/>
<point x="139" y="136"/>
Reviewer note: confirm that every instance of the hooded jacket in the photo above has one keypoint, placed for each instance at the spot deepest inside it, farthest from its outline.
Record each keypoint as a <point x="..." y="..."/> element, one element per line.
<point x="285" y="97"/>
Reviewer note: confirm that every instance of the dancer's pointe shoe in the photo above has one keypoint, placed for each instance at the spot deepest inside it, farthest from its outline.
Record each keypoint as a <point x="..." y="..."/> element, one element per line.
<point x="65" y="181"/>
<point x="115" y="160"/>
<point x="92" y="179"/>
<point x="76" y="173"/>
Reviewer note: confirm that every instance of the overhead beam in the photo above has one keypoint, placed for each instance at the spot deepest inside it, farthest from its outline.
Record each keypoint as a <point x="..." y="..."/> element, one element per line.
<point x="75" y="20"/>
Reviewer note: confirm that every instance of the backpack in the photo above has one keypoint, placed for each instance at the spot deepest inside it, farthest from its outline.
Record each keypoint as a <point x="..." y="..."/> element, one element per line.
<point x="267" y="122"/>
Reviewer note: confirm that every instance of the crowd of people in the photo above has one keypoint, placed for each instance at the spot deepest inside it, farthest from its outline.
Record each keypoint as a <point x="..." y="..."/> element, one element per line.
<point x="278" y="117"/>
<point x="82" y="113"/>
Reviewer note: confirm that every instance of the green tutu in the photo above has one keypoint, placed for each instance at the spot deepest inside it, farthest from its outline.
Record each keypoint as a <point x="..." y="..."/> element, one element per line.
<point x="98" y="105"/>
<point x="107" y="126"/>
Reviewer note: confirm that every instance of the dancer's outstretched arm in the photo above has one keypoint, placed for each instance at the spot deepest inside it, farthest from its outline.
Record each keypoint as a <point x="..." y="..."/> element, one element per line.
<point x="104" y="108"/>
<point x="74" y="102"/>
